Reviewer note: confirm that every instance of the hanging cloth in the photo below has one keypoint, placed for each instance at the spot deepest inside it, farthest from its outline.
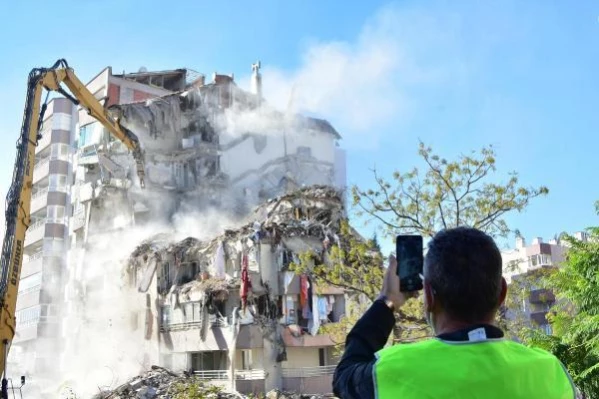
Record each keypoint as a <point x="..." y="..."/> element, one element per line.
<point x="304" y="290"/>
<point x="246" y="283"/>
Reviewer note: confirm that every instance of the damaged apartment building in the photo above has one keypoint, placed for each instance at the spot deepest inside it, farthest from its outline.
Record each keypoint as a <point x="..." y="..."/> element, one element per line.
<point x="208" y="144"/>
<point x="232" y="311"/>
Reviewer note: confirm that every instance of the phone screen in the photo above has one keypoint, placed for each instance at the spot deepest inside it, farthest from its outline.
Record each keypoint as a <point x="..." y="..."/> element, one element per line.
<point x="409" y="262"/>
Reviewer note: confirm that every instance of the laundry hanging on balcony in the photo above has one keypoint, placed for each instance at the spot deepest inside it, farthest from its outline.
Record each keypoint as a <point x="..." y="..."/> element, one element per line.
<point x="246" y="283"/>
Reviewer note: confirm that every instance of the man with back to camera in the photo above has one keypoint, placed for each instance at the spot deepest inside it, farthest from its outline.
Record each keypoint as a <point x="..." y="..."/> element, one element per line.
<point x="468" y="358"/>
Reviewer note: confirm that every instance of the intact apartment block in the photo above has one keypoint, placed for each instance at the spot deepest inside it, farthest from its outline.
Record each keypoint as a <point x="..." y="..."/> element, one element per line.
<point x="208" y="145"/>
<point x="47" y="237"/>
<point x="523" y="265"/>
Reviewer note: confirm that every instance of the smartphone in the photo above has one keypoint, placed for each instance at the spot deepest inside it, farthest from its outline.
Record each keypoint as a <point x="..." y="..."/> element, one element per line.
<point x="410" y="262"/>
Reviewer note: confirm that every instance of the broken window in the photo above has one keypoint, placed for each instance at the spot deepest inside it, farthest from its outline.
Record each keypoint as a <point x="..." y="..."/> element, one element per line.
<point x="187" y="273"/>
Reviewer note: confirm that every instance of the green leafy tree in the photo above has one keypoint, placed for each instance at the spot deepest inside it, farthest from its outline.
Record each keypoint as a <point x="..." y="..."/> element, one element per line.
<point x="575" y="316"/>
<point x="194" y="388"/>
<point x="446" y="194"/>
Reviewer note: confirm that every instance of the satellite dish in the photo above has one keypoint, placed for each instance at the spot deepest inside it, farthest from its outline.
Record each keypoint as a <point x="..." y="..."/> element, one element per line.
<point x="143" y="69"/>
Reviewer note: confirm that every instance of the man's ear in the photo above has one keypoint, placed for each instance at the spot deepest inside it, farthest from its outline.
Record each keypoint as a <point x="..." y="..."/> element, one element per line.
<point x="429" y="298"/>
<point x="503" y="292"/>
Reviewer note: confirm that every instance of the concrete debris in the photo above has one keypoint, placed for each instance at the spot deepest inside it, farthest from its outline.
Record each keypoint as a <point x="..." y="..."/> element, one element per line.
<point x="312" y="213"/>
<point x="161" y="383"/>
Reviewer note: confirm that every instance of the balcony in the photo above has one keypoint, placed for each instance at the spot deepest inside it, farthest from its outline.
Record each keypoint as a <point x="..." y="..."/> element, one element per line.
<point x="212" y="375"/>
<point x="41" y="169"/>
<point x="39" y="199"/>
<point x="35" y="232"/>
<point x="33" y="264"/>
<point x="308" y="379"/>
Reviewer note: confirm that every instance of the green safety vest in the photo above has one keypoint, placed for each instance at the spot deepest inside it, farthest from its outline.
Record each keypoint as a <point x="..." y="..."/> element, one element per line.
<point x="493" y="368"/>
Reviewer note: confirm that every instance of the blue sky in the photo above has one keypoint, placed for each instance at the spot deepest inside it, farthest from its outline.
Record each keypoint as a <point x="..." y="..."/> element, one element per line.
<point x="456" y="74"/>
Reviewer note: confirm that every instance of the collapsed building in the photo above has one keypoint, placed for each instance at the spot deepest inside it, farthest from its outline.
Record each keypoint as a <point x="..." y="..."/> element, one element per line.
<point x="231" y="310"/>
<point x="207" y="145"/>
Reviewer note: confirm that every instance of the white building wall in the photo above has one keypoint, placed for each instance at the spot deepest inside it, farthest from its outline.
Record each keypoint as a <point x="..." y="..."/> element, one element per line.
<point x="243" y="157"/>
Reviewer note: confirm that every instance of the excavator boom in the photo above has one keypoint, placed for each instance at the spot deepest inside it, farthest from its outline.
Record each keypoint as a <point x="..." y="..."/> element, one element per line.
<point x="18" y="199"/>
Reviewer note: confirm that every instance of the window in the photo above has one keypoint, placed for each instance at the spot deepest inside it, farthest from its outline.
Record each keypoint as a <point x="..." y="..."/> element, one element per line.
<point x="166" y="315"/>
<point x="90" y="134"/>
<point x="57" y="183"/>
<point x="55" y="214"/>
<point x="61" y="121"/>
<point x="539" y="260"/>
<point x="209" y="360"/>
<point x="165" y="276"/>
<point x="193" y="312"/>
<point x="59" y="151"/>
<point x="246" y="359"/>
<point x="322" y="356"/>
<point x="53" y="246"/>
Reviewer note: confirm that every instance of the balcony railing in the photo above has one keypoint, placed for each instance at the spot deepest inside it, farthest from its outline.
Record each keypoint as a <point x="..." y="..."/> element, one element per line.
<point x="180" y="326"/>
<point x="41" y="169"/>
<point x="39" y="199"/>
<point x="255" y="374"/>
<point x="31" y="289"/>
<point x="302" y="372"/>
<point x="36" y="256"/>
<point x="212" y="374"/>
<point x="39" y="193"/>
<point x="40" y="163"/>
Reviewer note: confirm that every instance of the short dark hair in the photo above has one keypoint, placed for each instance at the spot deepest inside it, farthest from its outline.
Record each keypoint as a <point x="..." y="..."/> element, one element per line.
<point x="463" y="266"/>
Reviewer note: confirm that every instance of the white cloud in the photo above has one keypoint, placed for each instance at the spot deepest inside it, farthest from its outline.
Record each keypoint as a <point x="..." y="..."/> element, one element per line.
<point x="368" y="83"/>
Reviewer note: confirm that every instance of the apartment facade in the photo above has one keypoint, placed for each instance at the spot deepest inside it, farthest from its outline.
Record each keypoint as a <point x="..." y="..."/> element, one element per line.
<point x="46" y="242"/>
<point x="523" y="266"/>
<point x="199" y="155"/>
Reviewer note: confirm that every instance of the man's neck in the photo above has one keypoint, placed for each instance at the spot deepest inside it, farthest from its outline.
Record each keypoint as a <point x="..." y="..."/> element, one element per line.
<point x="445" y="325"/>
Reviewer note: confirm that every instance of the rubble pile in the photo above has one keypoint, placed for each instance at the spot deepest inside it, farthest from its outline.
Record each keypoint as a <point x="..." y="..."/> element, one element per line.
<point x="160" y="383"/>
<point x="313" y="213"/>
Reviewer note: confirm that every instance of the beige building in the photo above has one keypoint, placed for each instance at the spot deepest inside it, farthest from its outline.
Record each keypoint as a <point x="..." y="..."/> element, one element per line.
<point x="523" y="264"/>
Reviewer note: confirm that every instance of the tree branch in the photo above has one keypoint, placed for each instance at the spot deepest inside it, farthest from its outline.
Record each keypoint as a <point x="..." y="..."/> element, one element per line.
<point x="386" y="193"/>
<point x="449" y="186"/>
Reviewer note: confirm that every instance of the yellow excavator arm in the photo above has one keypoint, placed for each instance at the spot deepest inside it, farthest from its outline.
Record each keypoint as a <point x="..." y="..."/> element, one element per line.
<point x="18" y="199"/>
